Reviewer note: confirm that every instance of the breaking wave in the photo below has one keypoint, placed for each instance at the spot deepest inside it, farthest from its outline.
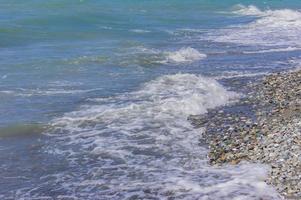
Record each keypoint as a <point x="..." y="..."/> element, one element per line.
<point x="141" y="145"/>
<point x="247" y="10"/>
<point x="184" y="55"/>
<point x="146" y="56"/>
<point x="277" y="28"/>
<point x="180" y="56"/>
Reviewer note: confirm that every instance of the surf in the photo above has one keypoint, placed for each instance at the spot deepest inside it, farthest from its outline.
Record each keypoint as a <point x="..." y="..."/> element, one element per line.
<point x="273" y="28"/>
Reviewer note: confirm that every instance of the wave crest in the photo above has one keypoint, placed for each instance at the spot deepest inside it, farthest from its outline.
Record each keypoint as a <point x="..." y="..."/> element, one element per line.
<point x="246" y="10"/>
<point x="278" y="28"/>
<point x="142" y="141"/>
<point x="184" y="55"/>
<point x="171" y="95"/>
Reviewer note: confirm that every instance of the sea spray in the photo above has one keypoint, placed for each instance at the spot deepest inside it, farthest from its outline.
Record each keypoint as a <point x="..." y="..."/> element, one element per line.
<point x="276" y="28"/>
<point x="140" y="144"/>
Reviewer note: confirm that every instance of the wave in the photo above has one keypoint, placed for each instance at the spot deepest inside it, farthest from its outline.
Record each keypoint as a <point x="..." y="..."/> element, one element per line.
<point x="281" y="28"/>
<point x="22" y="92"/>
<point x="4" y="76"/>
<point x="139" y="31"/>
<point x="247" y="10"/>
<point x="240" y="74"/>
<point x="143" y="56"/>
<point x="87" y="60"/>
<point x="184" y="55"/>
<point x="140" y="144"/>
<point x="286" y="49"/>
<point x="168" y="96"/>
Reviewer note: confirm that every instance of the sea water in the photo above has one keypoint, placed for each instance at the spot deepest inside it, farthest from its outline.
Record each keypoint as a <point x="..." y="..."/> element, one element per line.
<point x="95" y="95"/>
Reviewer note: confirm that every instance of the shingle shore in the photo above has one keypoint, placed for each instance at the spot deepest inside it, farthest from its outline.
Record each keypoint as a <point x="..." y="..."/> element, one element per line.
<point x="263" y="127"/>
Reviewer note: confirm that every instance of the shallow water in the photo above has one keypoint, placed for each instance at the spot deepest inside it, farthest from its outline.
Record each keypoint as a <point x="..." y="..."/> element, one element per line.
<point x="107" y="87"/>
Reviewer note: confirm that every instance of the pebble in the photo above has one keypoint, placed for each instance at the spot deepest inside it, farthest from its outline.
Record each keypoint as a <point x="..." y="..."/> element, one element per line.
<point x="270" y="133"/>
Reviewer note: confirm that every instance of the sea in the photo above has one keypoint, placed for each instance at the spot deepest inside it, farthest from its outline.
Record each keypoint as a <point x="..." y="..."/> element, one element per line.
<point x="95" y="94"/>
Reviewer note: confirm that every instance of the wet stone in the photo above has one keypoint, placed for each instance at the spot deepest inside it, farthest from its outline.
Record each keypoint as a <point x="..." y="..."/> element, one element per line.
<point x="266" y="129"/>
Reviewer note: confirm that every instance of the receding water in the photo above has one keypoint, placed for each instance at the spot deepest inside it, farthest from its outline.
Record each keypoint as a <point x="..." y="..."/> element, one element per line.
<point x="95" y="95"/>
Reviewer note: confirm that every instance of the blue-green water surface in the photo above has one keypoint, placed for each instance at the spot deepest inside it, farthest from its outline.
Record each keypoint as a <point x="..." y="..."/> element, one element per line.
<point x="94" y="94"/>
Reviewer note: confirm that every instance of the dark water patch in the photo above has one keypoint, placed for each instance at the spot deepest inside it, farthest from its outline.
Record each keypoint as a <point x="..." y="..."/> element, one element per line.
<point x="25" y="167"/>
<point x="22" y="130"/>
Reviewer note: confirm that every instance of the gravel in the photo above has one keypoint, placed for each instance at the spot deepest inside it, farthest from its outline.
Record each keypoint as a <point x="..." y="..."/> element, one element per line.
<point x="263" y="127"/>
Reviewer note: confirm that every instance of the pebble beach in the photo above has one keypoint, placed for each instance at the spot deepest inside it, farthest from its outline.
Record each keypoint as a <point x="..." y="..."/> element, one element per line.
<point x="263" y="127"/>
<point x="95" y="97"/>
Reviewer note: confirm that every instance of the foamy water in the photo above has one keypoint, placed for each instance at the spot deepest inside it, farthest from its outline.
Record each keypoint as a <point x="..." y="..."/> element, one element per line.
<point x="184" y="55"/>
<point x="113" y="83"/>
<point x="140" y="145"/>
<point x="277" y="28"/>
<point x="247" y="10"/>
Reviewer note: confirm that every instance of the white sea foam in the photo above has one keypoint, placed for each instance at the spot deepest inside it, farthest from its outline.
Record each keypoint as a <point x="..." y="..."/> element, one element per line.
<point x="8" y="92"/>
<point x="239" y="74"/>
<point x="142" y="55"/>
<point x="87" y="59"/>
<point x="247" y="10"/>
<point x="140" y="31"/>
<point x="184" y="55"/>
<point x="172" y="94"/>
<point x="140" y="145"/>
<point x="273" y="50"/>
<point x="278" y="28"/>
<point x="64" y="84"/>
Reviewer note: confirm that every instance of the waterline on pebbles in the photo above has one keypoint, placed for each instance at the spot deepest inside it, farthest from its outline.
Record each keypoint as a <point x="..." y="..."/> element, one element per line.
<point x="264" y="128"/>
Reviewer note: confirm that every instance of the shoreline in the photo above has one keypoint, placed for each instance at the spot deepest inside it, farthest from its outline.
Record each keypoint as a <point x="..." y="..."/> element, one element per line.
<point x="263" y="127"/>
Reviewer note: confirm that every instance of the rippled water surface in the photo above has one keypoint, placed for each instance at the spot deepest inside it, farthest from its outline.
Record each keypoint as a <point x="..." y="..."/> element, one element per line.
<point x="95" y="95"/>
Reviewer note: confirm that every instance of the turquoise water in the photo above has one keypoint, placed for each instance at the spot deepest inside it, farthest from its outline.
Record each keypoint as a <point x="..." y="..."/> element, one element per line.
<point x="95" y="94"/>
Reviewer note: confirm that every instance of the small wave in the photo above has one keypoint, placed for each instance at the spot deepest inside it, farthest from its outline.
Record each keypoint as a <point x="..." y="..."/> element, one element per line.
<point x="273" y="50"/>
<point x="246" y="10"/>
<point x="239" y="74"/>
<point x="147" y="56"/>
<point x="280" y="28"/>
<point x="7" y="92"/>
<point x="43" y="92"/>
<point x="184" y="55"/>
<point x="4" y="76"/>
<point x="87" y="59"/>
<point x="63" y="83"/>
<point x="139" y="31"/>
<point x="106" y="27"/>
